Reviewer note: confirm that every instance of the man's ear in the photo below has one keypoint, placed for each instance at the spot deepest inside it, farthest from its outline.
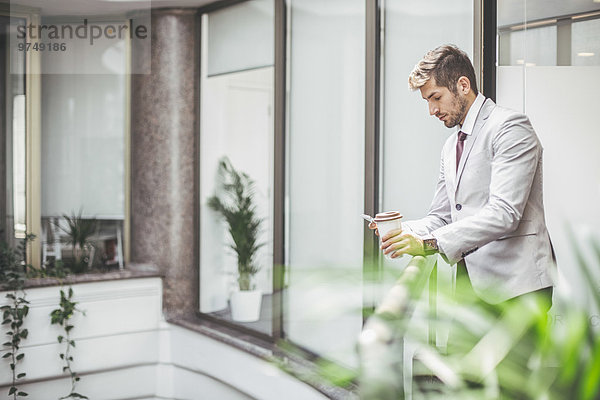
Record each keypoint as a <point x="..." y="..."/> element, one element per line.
<point x="463" y="85"/>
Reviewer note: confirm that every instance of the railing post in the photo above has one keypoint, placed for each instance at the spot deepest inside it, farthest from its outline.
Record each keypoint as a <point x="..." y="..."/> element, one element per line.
<point x="381" y="344"/>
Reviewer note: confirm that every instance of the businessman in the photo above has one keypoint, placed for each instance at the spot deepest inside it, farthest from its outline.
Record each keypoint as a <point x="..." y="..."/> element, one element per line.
<point x="487" y="214"/>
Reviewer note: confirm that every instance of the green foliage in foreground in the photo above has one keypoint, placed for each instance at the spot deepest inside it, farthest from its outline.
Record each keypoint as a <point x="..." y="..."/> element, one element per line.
<point x="514" y="350"/>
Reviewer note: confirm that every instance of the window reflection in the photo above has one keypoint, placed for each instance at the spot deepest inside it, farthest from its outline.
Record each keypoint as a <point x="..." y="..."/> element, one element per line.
<point x="237" y="124"/>
<point x="12" y="142"/>
<point x="83" y="151"/>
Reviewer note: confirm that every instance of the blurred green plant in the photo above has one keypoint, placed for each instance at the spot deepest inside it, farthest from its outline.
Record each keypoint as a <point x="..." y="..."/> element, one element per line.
<point x="234" y="200"/>
<point x="13" y="268"/>
<point x="513" y="350"/>
<point x="79" y="232"/>
<point x="55" y="269"/>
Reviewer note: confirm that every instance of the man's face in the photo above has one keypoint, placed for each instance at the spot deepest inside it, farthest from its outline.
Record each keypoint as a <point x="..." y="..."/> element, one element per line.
<point x="448" y="107"/>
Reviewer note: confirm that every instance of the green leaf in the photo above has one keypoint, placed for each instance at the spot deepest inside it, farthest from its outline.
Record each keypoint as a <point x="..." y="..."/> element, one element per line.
<point x="20" y="356"/>
<point x="60" y="338"/>
<point x="72" y="343"/>
<point x="7" y="355"/>
<point x="21" y="375"/>
<point x="590" y="385"/>
<point x="12" y="390"/>
<point x="22" y="394"/>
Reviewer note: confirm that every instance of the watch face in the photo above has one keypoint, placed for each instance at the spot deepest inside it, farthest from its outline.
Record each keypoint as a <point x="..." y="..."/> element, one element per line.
<point x="430" y="244"/>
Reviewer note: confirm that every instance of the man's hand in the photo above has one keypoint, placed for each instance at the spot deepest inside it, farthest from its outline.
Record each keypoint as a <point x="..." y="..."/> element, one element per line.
<point x="397" y="244"/>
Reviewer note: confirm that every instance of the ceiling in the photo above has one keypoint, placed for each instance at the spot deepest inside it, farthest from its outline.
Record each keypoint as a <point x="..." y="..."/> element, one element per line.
<point x="103" y="7"/>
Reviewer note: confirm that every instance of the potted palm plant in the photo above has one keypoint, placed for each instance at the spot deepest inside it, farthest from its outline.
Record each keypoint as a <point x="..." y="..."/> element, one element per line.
<point x="79" y="231"/>
<point x="234" y="200"/>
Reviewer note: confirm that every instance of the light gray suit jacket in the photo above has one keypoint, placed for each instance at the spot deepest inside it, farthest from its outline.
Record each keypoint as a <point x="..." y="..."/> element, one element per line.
<point x="491" y="211"/>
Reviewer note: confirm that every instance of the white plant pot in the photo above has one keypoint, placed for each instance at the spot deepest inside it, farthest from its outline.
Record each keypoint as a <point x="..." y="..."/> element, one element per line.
<point x="245" y="305"/>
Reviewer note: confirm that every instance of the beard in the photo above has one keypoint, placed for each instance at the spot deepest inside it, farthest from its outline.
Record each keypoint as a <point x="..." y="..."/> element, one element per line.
<point x="460" y="110"/>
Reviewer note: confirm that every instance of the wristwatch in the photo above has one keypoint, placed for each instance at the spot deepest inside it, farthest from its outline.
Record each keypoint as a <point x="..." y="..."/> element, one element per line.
<point x="430" y="245"/>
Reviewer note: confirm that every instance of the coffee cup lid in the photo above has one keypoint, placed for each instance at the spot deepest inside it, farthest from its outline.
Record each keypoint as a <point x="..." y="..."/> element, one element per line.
<point x="387" y="216"/>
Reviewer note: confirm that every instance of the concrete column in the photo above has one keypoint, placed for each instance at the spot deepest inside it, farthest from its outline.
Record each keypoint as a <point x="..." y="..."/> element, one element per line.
<point x="164" y="180"/>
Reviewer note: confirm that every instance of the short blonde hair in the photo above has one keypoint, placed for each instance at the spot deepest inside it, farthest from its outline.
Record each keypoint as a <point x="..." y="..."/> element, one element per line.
<point x="446" y="64"/>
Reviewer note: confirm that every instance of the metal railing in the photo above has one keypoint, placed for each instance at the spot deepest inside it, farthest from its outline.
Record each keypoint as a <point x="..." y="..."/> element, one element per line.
<point x="381" y="344"/>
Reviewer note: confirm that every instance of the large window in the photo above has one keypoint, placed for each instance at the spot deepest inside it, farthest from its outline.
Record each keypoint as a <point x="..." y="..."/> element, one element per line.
<point x="559" y="96"/>
<point x="237" y="125"/>
<point x="321" y="307"/>
<point x="84" y="128"/>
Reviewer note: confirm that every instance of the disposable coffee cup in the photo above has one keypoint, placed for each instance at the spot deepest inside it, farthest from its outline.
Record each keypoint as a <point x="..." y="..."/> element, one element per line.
<point x="386" y="222"/>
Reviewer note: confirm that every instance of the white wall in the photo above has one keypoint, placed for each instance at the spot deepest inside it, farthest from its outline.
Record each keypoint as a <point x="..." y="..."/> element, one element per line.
<point x="125" y="350"/>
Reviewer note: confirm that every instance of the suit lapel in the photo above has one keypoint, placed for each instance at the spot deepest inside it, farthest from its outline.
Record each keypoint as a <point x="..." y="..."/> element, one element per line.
<point x="484" y="113"/>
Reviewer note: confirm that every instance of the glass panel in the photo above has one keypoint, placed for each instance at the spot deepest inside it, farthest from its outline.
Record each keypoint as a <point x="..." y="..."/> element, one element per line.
<point x="560" y="102"/>
<point x="12" y="141"/>
<point x="411" y="139"/>
<point x="83" y="159"/>
<point x="325" y="191"/>
<point x="237" y="124"/>
<point x="241" y="37"/>
<point x="585" y="45"/>
<point x="539" y="44"/>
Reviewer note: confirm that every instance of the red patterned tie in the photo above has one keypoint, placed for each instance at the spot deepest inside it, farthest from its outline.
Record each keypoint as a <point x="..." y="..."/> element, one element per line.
<point x="460" y="144"/>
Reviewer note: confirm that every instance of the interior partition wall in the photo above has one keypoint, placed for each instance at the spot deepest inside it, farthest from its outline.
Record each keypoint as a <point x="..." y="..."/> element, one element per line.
<point x="549" y="68"/>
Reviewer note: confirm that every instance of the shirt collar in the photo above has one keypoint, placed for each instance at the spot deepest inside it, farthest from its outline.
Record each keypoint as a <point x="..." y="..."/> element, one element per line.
<point x="469" y="124"/>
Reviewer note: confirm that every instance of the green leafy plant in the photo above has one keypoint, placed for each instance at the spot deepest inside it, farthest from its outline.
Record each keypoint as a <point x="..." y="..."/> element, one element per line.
<point x="62" y="316"/>
<point x="12" y="271"/>
<point x="79" y="231"/>
<point x="234" y="200"/>
<point x="513" y="350"/>
<point x="56" y="269"/>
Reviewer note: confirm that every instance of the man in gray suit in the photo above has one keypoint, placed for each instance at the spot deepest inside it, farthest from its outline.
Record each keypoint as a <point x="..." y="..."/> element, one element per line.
<point x="487" y="213"/>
